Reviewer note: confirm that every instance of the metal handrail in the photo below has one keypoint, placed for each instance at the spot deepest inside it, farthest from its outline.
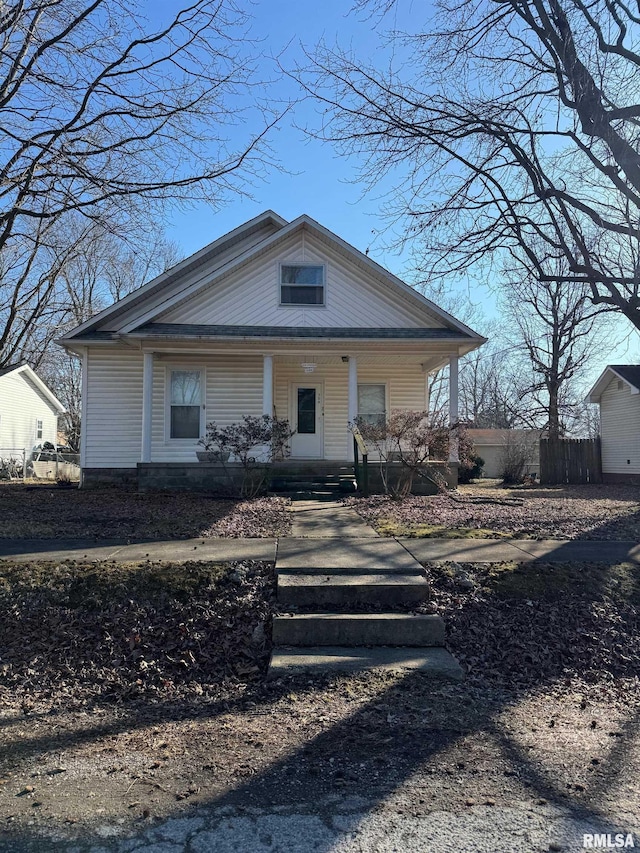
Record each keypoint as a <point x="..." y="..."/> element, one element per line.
<point x="362" y="478"/>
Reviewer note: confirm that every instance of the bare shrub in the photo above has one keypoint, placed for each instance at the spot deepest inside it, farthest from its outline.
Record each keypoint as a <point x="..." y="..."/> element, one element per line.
<point x="513" y="460"/>
<point x="253" y="442"/>
<point x="407" y="445"/>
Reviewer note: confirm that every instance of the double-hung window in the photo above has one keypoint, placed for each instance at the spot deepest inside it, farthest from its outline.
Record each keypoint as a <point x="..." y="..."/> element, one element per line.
<point x="371" y="404"/>
<point x="185" y="403"/>
<point x="38" y="429"/>
<point x="302" y="284"/>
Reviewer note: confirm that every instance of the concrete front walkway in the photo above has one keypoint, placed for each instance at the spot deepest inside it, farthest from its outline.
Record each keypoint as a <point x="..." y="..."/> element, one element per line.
<point x="358" y="546"/>
<point x="321" y="519"/>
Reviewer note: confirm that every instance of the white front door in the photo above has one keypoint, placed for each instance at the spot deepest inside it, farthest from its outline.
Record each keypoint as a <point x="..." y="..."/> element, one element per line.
<point x="306" y="420"/>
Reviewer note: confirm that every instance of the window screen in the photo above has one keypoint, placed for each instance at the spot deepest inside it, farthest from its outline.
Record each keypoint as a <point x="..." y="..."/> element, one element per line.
<point x="371" y="404"/>
<point x="301" y="284"/>
<point x="186" y="398"/>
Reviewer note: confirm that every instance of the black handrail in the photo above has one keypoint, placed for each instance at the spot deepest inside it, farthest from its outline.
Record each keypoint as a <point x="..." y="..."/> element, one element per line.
<point x="362" y="478"/>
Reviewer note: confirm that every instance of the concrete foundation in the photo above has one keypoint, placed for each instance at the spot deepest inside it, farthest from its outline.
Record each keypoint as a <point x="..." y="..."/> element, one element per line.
<point x="628" y="479"/>
<point x="212" y="477"/>
<point x="99" y="478"/>
<point x="226" y="480"/>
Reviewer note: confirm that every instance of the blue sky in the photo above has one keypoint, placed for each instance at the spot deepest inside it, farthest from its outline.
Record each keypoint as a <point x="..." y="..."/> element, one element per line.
<point x="317" y="181"/>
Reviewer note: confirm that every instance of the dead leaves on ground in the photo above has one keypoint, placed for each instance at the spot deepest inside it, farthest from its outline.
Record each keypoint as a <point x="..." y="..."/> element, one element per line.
<point x="74" y="634"/>
<point x="49" y="513"/>
<point x="569" y="512"/>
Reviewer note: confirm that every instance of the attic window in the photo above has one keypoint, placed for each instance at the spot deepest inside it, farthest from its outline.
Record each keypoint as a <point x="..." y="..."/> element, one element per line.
<point x="620" y="385"/>
<point x="302" y="284"/>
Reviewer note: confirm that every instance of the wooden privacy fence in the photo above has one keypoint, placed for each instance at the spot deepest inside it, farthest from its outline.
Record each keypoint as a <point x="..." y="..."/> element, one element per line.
<point x="570" y="460"/>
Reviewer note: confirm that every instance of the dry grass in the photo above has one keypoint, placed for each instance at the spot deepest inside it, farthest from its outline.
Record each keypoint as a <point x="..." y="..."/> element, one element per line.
<point x="490" y="511"/>
<point x="45" y="512"/>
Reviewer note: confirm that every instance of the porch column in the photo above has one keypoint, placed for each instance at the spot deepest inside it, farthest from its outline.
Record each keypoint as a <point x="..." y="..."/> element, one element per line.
<point x="453" y="407"/>
<point x="352" y="401"/>
<point x="267" y="385"/>
<point x="147" y="405"/>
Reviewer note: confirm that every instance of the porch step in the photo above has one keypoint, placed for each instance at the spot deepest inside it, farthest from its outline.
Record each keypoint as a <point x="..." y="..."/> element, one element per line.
<point x="313" y="485"/>
<point x="357" y="629"/>
<point x="436" y="662"/>
<point x="335" y="588"/>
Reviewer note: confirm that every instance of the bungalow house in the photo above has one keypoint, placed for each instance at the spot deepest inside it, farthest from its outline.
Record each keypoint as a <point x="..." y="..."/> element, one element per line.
<point x="617" y="391"/>
<point x="278" y="318"/>
<point x="28" y="414"/>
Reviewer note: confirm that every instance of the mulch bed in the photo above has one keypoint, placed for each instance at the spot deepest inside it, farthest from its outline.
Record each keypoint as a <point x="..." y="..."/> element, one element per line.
<point x="563" y="512"/>
<point x="41" y="512"/>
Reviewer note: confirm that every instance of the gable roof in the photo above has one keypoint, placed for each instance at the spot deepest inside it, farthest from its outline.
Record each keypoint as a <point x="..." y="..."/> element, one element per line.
<point x="628" y="373"/>
<point x="23" y="368"/>
<point x="159" y="295"/>
<point x="165" y="280"/>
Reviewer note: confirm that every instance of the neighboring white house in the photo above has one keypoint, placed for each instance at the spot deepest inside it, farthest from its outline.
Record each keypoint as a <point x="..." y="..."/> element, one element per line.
<point x="28" y="410"/>
<point x="491" y="444"/>
<point x="275" y="317"/>
<point x="618" y="393"/>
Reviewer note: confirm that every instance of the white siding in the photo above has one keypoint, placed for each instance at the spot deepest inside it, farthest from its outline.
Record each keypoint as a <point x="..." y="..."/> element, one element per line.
<point x="250" y="295"/>
<point x="620" y="429"/>
<point x="113" y="414"/>
<point x="233" y="388"/>
<point x="197" y="274"/>
<point x="406" y="389"/>
<point x="21" y="405"/>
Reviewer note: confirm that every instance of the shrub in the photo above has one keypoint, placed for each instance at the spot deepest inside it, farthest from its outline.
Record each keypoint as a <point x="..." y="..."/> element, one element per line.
<point x="471" y="472"/>
<point x="412" y="440"/>
<point x="513" y="461"/>
<point x="253" y="442"/>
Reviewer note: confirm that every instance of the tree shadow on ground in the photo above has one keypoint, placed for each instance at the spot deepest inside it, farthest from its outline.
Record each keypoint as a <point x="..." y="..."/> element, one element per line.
<point x="409" y="729"/>
<point x="124" y="516"/>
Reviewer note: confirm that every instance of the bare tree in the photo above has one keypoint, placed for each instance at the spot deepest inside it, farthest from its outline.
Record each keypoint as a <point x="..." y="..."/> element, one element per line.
<point x="560" y="334"/>
<point x="510" y="126"/>
<point x="100" y="268"/>
<point x="490" y="397"/>
<point x="106" y="119"/>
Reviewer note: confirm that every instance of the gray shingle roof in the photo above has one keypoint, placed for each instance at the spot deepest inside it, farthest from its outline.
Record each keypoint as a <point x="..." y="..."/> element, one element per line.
<point x="629" y="372"/>
<point x="201" y="331"/>
<point x="10" y="367"/>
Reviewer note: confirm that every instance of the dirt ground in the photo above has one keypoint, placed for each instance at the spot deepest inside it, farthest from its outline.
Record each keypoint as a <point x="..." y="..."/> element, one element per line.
<point x="49" y="512"/>
<point x="123" y="725"/>
<point x="487" y="510"/>
<point x="404" y="743"/>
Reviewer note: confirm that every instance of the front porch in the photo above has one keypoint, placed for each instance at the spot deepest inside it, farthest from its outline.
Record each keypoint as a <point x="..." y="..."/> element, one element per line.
<point x="320" y="392"/>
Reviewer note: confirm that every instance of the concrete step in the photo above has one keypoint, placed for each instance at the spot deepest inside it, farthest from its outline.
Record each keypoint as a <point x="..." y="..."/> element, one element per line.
<point x="361" y="554"/>
<point x="436" y="662"/>
<point x="338" y="486"/>
<point x="343" y="588"/>
<point x="357" y="629"/>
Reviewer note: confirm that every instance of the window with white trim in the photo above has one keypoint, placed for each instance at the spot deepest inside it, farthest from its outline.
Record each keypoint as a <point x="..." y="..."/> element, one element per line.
<point x="302" y="284"/>
<point x="372" y="404"/>
<point x="38" y="429"/>
<point x="185" y="403"/>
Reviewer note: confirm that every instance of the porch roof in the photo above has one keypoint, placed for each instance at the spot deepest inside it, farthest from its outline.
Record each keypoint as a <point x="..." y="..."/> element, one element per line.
<point x="195" y="331"/>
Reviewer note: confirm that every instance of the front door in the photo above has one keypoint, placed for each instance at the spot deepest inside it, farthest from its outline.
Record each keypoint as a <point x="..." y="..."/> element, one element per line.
<point x="307" y="442"/>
